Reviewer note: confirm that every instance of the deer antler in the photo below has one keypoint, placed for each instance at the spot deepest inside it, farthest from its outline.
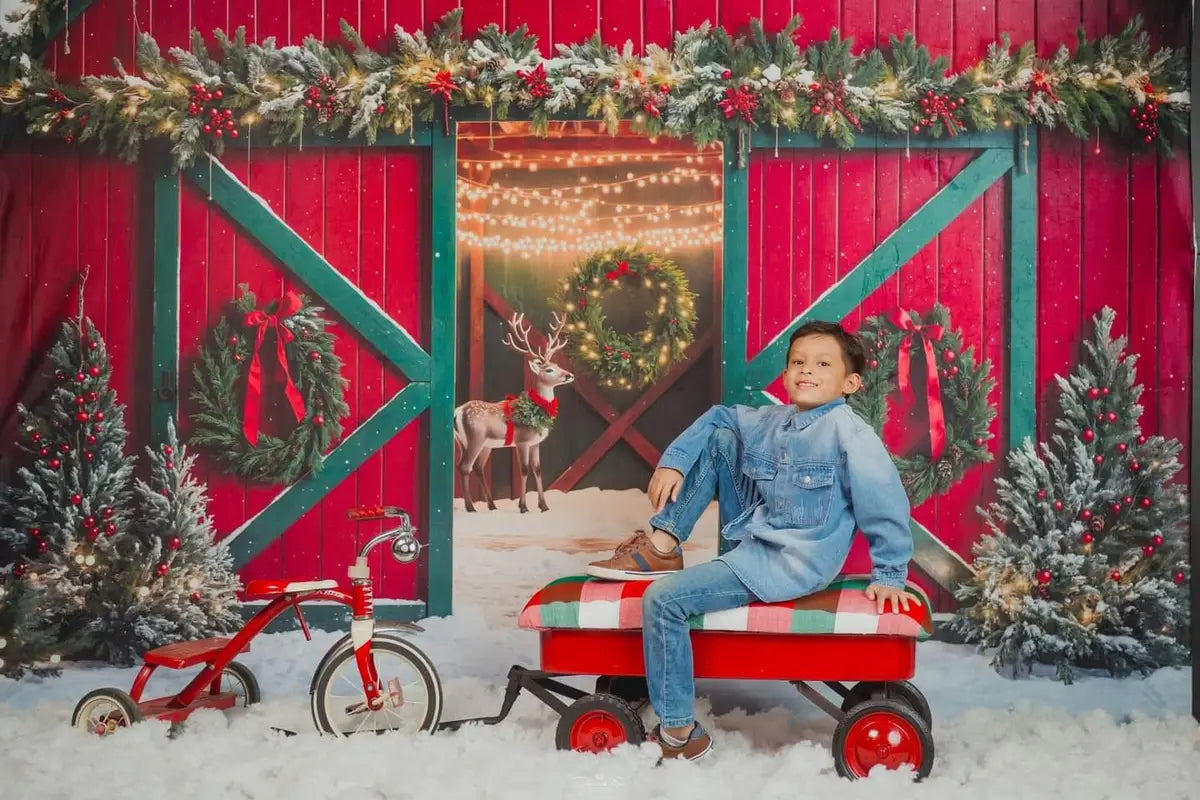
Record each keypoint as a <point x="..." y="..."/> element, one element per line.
<point x="517" y="323"/>
<point x="553" y="344"/>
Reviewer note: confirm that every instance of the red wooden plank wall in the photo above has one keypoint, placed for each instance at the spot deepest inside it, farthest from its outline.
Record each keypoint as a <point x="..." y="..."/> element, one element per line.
<point x="1120" y="224"/>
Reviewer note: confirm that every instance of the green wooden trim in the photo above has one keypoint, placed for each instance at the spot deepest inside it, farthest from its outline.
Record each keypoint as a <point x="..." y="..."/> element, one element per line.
<point x="734" y="281"/>
<point x="1022" y="308"/>
<point x="164" y="344"/>
<point x="335" y="616"/>
<point x="356" y="310"/>
<point x="443" y="337"/>
<point x="764" y="138"/>
<point x="888" y="257"/>
<point x="296" y="500"/>
<point x="59" y="22"/>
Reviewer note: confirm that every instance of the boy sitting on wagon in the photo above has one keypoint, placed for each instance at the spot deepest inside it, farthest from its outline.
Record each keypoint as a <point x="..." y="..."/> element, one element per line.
<point x="793" y="482"/>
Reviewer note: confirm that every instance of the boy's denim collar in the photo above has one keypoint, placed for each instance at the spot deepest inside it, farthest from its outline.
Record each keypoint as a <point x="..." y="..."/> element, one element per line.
<point x="799" y="420"/>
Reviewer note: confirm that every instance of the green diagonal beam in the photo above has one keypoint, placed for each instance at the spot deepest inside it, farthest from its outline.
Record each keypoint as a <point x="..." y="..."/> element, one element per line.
<point x="939" y="561"/>
<point x="296" y="500"/>
<point x="371" y="322"/>
<point x="886" y="259"/>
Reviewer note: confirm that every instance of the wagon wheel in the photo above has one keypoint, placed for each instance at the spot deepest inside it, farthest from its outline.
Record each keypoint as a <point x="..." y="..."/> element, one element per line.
<point x="882" y="732"/>
<point x="598" y="722"/>
<point x="903" y="691"/>
<point x="104" y="711"/>
<point x="630" y="688"/>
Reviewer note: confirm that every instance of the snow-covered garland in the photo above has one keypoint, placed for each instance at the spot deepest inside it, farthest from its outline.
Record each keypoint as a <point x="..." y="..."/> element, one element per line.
<point x="229" y="388"/>
<point x="954" y="385"/>
<point x="709" y="85"/>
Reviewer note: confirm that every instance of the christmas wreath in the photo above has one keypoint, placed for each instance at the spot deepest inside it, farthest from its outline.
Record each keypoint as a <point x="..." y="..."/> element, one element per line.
<point x="956" y="392"/>
<point x="618" y="358"/>
<point x="229" y="389"/>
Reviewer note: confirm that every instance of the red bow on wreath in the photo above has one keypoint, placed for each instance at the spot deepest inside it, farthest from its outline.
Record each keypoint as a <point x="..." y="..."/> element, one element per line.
<point x="622" y="269"/>
<point x="535" y="81"/>
<point x="289" y="304"/>
<point x="928" y="334"/>
<point x="444" y="85"/>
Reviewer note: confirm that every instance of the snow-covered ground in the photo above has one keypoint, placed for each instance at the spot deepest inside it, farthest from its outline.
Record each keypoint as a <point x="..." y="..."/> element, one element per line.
<point x="996" y="737"/>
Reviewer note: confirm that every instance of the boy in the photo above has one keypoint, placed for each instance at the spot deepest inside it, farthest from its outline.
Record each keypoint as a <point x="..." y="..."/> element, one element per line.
<point x="793" y="482"/>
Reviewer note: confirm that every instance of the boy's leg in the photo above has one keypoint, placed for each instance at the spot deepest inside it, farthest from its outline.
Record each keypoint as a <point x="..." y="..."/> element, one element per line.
<point x="667" y="645"/>
<point x="717" y="471"/>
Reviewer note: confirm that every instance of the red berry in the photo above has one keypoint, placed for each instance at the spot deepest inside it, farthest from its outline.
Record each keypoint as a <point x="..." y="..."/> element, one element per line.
<point x="318" y="420"/>
<point x="1058" y="505"/>
<point x="1041" y="495"/>
<point x="314" y="355"/>
<point x="1122" y="447"/>
<point x="79" y="376"/>
<point x="92" y="396"/>
<point x="37" y="437"/>
<point x="1087" y="435"/>
<point x="110" y="528"/>
<point x="35" y="532"/>
<point x="93" y="535"/>
<point x="88" y="455"/>
<point x="816" y="110"/>
<point x="916" y="128"/>
<point x="1099" y="459"/>
<point x="168" y="450"/>
<point x="42" y="546"/>
<point x="1087" y="538"/>
<point x="94" y="372"/>
<point x="727" y="74"/>
<point x="1180" y="577"/>
<point x="1116" y="508"/>
<point x="207" y="128"/>
<point x="106" y="512"/>
<point x="1111" y="416"/>
<point x="162" y="569"/>
<point x="1115" y="575"/>
<point x="83" y="416"/>
<point x="174" y="542"/>
<point x="979" y="441"/>
<point x="1141" y="439"/>
<point x="1086" y="514"/>
<point x="1044" y="577"/>
<point x="195" y="597"/>
<point x="76" y="499"/>
<point x="1135" y="466"/>
<point x="1148" y="550"/>
<point x="664" y="89"/>
<point x="1145" y="502"/>
<point x="218" y="133"/>
<point x="872" y="363"/>
<point x="233" y="134"/>
<point x="1157" y="541"/>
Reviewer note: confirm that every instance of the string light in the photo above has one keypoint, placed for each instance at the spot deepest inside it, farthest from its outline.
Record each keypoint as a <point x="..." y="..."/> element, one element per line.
<point x="654" y="238"/>
<point x="530" y="161"/>
<point x="572" y="220"/>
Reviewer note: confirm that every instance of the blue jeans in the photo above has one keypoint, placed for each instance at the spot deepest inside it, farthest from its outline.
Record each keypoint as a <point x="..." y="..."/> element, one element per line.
<point x="711" y="586"/>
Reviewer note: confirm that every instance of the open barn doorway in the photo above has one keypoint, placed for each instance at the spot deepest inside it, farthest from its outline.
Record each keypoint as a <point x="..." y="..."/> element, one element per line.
<point x="605" y="249"/>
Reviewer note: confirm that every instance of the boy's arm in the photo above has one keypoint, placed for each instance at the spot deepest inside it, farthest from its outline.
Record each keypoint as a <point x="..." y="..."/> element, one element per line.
<point x="881" y="507"/>
<point x="683" y="452"/>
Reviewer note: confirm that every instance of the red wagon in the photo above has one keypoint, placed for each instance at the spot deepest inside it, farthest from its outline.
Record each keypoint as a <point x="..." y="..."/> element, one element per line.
<point x="592" y="627"/>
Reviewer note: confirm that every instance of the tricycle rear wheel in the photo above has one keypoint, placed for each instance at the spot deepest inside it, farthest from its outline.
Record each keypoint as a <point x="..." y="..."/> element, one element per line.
<point x="238" y="678"/>
<point x="103" y="711"/>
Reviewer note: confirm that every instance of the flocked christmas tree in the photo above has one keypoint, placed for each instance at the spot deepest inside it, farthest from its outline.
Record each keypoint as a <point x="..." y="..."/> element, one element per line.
<point x="182" y="580"/>
<point x="80" y="581"/>
<point x="69" y="521"/>
<point x="1086" y="565"/>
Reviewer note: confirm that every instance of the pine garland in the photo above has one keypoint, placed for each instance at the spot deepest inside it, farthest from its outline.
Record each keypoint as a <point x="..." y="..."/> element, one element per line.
<point x="965" y="387"/>
<point x="221" y="385"/>
<point x="708" y="86"/>
<point x="526" y="413"/>
<point x="627" y="360"/>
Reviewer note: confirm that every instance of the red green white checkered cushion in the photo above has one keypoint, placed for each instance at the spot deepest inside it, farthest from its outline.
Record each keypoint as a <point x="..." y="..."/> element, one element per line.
<point x="584" y="602"/>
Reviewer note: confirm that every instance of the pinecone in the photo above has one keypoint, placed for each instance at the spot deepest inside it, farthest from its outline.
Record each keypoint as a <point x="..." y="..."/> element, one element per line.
<point x="492" y="64"/>
<point x="1097" y="524"/>
<point x="589" y="81"/>
<point x="945" y="470"/>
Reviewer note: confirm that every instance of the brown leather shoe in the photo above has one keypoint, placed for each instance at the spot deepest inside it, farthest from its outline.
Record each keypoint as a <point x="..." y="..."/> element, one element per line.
<point x="636" y="559"/>
<point x="698" y="745"/>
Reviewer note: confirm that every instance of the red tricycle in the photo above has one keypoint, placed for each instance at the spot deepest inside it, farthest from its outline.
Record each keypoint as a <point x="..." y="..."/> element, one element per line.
<point x="591" y="627"/>
<point x="372" y="679"/>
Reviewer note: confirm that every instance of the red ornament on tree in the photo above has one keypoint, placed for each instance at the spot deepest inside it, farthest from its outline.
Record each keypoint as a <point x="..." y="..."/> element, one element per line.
<point x="318" y="420"/>
<point x="1087" y="435"/>
<point x="1135" y="466"/>
<point x="110" y="529"/>
<point x="1085" y="515"/>
<point x="162" y="569"/>
<point x="37" y="437"/>
<point x="1116" y="508"/>
<point x="91" y="439"/>
<point x="1148" y="550"/>
<point x="167" y="450"/>
<point x="35" y="532"/>
<point x="1122" y="447"/>
<point x="42" y="546"/>
<point x="1058" y="505"/>
<point x="83" y="416"/>
<point x="1144" y="502"/>
<point x="1157" y="541"/>
<point x="1041" y="495"/>
<point x="1127" y="500"/>
<point x="92" y="535"/>
<point x="80" y="377"/>
<point x="314" y="356"/>
<point x="1099" y="459"/>
<point x="1087" y="538"/>
<point x="1115" y="575"/>
<point x="1180" y="577"/>
<point x="94" y="372"/>
<point x="98" y="416"/>
<point x="174" y="543"/>
<point x="1044" y="577"/>
<point x="19" y="569"/>
<point x="45" y="451"/>
<point x="76" y="499"/>
<point x="54" y="463"/>
<point x="1111" y="416"/>
<point x="106" y="512"/>
<point x="1093" y="393"/>
<point x="726" y="74"/>
<point x="79" y="400"/>
<point x="89" y="522"/>
<point x="195" y="597"/>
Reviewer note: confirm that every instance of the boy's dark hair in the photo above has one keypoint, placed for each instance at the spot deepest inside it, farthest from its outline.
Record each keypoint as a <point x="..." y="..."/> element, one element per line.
<point x="853" y="351"/>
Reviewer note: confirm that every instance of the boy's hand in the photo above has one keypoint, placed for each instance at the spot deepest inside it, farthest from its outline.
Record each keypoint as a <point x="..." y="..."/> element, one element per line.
<point x="883" y="594"/>
<point x="664" y="486"/>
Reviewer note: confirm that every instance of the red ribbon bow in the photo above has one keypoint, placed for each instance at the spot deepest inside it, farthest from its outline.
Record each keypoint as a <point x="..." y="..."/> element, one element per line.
<point x="740" y="102"/>
<point x="622" y="269"/>
<point x="289" y="304"/>
<point x="1040" y="82"/>
<point x="928" y="334"/>
<point x="549" y="406"/>
<point x="535" y="81"/>
<point x="443" y="84"/>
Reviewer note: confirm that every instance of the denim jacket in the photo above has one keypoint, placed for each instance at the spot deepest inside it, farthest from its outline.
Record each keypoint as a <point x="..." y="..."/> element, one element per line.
<point x="820" y="475"/>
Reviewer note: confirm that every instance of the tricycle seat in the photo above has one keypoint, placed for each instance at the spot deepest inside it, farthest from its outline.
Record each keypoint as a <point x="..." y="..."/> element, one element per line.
<point x="182" y="655"/>
<point x="264" y="587"/>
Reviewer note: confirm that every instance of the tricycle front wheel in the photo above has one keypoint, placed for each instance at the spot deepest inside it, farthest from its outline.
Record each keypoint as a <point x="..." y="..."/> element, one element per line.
<point x="409" y="687"/>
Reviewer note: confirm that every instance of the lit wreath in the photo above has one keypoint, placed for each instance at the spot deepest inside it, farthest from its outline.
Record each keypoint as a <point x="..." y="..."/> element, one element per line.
<point x="627" y="360"/>
<point x="956" y="395"/>
<point x="229" y="389"/>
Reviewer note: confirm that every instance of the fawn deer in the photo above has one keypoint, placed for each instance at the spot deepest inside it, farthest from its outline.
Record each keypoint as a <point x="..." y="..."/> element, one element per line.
<point x="481" y="426"/>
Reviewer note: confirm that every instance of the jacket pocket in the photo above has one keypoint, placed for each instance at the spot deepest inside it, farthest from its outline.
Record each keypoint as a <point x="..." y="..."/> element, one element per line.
<point x="813" y="493"/>
<point x="759" y="467"/>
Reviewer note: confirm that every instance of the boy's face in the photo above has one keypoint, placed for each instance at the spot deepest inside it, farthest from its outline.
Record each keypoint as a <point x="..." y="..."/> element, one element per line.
<point x="817" y="372"/>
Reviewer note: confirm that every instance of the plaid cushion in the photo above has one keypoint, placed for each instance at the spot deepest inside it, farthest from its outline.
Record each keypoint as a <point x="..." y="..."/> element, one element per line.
<point x="581" y="601"/>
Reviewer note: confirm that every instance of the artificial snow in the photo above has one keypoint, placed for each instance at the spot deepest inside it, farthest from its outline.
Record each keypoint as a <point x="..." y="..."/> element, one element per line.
<point x="996" y="737"/>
